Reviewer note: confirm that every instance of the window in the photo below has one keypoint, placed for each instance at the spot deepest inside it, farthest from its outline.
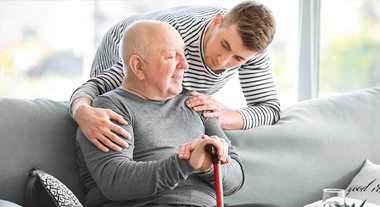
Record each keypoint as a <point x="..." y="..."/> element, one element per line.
<point x="44" y="47"/>
<point x="349" y="46"/>
<point x="47" y="52"/>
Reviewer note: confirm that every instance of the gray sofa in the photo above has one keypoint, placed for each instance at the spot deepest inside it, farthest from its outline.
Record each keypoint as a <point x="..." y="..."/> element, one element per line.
<point x="317" y="144"/>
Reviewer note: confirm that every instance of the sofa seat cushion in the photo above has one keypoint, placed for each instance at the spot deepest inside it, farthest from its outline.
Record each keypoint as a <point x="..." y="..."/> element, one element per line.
<point x="4" y="203"/>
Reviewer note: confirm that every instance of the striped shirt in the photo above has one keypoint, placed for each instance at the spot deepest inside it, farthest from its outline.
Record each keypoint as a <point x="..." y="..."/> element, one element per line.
<point x="191" y="22"/>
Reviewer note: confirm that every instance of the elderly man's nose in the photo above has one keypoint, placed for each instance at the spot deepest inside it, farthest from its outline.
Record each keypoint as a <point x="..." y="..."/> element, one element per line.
<point x="183" y="62"/>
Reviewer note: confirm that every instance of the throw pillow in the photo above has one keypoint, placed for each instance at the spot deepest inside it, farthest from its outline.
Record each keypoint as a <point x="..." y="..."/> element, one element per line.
<point x="349" y="201"/>
<point x="366" y="184"/>
<point x="43" y="189"/>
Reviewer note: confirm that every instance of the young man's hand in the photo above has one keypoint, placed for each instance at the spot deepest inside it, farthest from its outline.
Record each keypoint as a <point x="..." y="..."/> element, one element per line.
<point x="204" y="102"/>
<point x="96" y="125"/>
<point x="228" y="119"/>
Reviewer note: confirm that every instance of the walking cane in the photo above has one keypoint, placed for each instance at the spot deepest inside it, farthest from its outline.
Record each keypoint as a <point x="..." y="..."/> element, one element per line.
<point x="210" y="149"/>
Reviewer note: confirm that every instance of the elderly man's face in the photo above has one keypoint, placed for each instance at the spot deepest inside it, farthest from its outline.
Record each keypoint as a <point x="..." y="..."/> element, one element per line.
<point x="167" y="63"/>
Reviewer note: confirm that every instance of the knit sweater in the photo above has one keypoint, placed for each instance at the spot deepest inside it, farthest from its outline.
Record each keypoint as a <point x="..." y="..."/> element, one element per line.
<point x="146" y="173"/>
<point x="191" y="22"/>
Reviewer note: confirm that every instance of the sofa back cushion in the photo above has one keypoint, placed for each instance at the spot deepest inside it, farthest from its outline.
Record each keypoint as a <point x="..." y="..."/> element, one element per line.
<point x="320" y="143"/>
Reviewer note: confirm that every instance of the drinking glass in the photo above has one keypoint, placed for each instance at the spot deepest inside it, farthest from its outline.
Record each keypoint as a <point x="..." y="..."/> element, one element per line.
<point x="332" y="196"/>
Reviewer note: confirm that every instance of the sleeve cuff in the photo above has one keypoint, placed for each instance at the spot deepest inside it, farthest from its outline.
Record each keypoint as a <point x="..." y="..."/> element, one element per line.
<point x="75" y="96"/>
<point x="185" y="166"/>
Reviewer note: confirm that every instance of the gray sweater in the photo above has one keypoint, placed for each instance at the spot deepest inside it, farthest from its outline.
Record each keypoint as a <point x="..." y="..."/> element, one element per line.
<point x="146" y="173"/>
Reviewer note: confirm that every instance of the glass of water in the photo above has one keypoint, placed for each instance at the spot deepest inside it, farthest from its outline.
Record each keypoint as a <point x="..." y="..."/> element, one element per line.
<point x="332" y="196"/>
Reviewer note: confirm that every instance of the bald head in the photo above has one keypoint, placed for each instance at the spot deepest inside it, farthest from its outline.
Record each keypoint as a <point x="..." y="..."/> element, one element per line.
<point x="142" y="38"/>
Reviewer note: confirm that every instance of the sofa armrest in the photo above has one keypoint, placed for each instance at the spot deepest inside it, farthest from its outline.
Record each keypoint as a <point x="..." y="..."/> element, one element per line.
<point x="36" y="133"/>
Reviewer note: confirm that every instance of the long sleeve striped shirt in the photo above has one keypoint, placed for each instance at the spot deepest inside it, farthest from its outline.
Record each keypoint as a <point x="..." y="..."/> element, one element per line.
<point x="191" y="22"/>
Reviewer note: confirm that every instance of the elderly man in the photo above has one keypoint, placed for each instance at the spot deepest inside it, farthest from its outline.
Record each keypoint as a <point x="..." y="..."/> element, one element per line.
<point x="149" y="172"/>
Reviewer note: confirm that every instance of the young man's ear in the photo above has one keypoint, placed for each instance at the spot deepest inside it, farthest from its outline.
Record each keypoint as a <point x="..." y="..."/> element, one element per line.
<point x="217" y="20"/>
<point x="136" y="64"/>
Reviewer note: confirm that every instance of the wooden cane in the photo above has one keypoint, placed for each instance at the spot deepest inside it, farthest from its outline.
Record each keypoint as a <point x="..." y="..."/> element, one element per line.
<point x="210" y="149"/>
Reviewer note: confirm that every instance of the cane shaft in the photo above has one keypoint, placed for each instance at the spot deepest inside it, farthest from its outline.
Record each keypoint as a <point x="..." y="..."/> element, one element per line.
<point x="210" y="149"/>
<point x="218" y="186"/>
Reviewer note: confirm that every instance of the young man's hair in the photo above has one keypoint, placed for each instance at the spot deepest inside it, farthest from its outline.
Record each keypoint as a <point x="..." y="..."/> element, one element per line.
<point x="255" y="24"/>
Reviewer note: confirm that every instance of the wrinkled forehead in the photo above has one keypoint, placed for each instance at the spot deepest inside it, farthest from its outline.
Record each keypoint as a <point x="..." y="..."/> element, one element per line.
<point x="170" y="41"/>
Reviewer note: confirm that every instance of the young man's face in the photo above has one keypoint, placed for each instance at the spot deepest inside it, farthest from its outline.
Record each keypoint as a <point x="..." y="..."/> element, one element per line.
<point x="224" y="49"/>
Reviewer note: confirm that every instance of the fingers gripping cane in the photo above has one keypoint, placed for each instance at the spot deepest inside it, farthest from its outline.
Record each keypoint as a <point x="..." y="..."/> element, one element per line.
<point x="210" y="149"/>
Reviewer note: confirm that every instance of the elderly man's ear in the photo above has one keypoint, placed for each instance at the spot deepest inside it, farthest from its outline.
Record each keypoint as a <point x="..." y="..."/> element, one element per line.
<point x="137" y="65"/>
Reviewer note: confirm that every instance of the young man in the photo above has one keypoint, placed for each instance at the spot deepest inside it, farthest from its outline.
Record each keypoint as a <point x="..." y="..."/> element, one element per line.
<point x="148" y="173"/>
<point x="216" y="47"/>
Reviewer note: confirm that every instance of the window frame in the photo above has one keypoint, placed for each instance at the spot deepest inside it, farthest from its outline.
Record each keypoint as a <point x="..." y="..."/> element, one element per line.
<point x="309" y="27"/>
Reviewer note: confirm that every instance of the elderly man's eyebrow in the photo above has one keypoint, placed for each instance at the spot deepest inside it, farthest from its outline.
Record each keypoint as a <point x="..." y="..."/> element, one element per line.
<point x="167" y="50"/>
<point x="171" y="50"/>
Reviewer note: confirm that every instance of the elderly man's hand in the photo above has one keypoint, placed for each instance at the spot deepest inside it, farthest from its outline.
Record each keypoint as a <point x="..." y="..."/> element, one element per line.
<point x="198" y="158"/>
<point x="186" y="149"/>
<point x="201" y="160"/>
<point x="96" y="125"/>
